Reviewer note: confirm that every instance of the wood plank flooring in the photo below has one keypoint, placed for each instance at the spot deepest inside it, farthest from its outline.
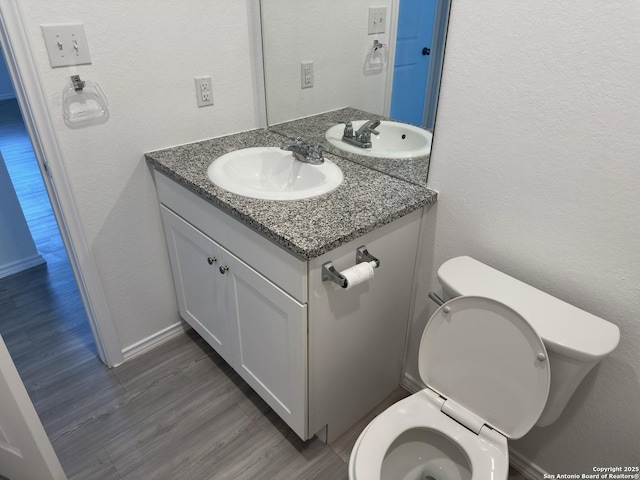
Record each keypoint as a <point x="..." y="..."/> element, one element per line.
<point x="176" y="412"/>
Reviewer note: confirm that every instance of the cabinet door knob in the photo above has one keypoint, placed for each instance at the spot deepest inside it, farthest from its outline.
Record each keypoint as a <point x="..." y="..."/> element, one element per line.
<point x="212" y="260"/>
<point x="224" y="269"/>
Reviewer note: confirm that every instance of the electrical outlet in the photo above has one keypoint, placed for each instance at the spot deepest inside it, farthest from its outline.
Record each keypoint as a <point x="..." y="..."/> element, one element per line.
<point x="203" y="91"/>
<point x="307" y="74"/>
<point x="377" y="19"/>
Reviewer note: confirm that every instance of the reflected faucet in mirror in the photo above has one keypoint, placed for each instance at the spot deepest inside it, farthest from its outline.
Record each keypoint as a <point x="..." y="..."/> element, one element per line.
<point x="362" y="137"/>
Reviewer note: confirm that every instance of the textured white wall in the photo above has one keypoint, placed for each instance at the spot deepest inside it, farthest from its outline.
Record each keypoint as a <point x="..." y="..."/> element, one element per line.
<point x="332" y="34"/>
<point x="16" y="244"/>
<point x="6" y="87"/>
<point x="145" y="56"/>
<point x="536" y="158"/>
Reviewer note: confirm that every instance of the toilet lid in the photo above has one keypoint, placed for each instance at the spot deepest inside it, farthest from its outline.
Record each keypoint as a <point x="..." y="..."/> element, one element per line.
<point x="486" y="357"/>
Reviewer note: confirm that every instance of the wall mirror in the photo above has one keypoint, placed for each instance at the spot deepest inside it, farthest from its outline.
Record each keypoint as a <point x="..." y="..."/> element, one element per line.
<point x="320" y="57"/>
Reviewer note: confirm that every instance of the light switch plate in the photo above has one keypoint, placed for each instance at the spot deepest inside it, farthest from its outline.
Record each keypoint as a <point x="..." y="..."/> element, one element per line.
<point x="66" y="44"/>
<point x="377" y="20"/>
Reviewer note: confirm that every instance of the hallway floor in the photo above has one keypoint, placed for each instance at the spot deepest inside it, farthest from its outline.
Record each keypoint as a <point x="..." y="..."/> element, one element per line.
<point x="33" y="302"/>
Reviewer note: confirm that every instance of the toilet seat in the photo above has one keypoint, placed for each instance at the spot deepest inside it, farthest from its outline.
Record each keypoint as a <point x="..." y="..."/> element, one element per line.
<point x="487" y="376"/>
<point x="487" y="452"/>
<point x="489" y="363"/>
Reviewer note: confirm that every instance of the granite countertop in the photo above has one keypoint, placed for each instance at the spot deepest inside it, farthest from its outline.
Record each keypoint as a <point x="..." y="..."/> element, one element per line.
<point x="312" y="129"/>
<point x="308" y="228"/>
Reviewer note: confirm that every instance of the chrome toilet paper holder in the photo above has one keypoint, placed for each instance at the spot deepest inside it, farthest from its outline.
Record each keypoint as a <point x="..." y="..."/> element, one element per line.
<point x="329" y="272"/>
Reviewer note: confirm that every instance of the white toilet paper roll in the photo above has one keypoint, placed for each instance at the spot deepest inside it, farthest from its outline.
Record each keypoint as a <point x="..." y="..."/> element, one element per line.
<point x="358" y="274"/>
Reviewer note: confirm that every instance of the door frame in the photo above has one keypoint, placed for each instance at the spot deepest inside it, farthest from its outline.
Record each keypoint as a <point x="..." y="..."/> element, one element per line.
<point x="436" y="61"/>
<point x="29" y="93"/>
<point x="391" y="55"/>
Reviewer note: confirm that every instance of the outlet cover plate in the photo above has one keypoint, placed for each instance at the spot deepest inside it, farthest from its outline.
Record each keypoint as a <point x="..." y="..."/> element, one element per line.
<point x="204" y="95"/>
<point x="306" y="72"/>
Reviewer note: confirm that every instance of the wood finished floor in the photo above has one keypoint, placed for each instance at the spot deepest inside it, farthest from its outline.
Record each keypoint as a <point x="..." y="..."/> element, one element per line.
<point x="177" y="412"/>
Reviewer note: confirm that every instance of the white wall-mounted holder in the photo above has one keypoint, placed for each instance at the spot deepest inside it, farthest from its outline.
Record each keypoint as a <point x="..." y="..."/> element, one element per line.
<point x="84" y="103"/>
<point x="376" y="59"/>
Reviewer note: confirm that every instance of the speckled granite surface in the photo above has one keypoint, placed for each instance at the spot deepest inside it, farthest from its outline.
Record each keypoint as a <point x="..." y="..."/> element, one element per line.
<point x="366" y="200"/>
<point x="312" y="129"/>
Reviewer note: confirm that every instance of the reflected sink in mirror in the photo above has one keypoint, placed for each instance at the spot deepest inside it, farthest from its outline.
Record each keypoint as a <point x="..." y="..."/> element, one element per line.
<point x="270" y="173"/>
<point x="394" y="140"/>
<point x="393" y="74"/>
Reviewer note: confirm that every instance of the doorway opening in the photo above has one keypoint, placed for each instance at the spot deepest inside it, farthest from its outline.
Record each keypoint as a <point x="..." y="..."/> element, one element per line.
<point x="420" y="38"/>
<point x="23" y="75"/>
<point x="41" y="306"/>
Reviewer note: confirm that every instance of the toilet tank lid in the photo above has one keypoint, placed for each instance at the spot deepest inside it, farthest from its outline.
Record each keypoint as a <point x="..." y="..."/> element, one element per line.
<point x="564" y="328"/>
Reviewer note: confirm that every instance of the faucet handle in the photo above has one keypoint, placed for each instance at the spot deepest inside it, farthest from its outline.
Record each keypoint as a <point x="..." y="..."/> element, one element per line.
<point x="297" y="139"/>
<point x="364" y="132"/>
<point x="348" y="129"/>
<point x="297" y="142"/>
<point x="316" y="150"/>
<point x="373" y="127"/>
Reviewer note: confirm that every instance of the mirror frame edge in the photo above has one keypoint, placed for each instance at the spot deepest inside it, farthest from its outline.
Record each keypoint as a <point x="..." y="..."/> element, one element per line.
<point x="438" y="44"/>
<point x="256" y="48"/>
<point x="393" y="33"/>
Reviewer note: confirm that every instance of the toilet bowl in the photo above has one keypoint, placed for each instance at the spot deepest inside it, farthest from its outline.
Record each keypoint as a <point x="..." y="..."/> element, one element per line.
<point x="488" y="379"/>
<point x="414" y="440"/>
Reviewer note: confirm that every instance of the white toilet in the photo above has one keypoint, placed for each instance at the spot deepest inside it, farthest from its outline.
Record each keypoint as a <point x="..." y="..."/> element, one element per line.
<point x="486" y="357"/>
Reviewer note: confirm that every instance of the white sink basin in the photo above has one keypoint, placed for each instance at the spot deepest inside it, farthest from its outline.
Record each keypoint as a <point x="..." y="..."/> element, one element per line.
<point x="270" y="173"/>
<point x="396" y="140"/>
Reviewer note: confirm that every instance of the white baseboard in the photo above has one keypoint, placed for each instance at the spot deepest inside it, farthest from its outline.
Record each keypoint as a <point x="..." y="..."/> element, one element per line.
<point x="411" y="384"/>
<point x="20" y="265"/>
<point x="526" y="467"/>
<point x="154" y="340"/>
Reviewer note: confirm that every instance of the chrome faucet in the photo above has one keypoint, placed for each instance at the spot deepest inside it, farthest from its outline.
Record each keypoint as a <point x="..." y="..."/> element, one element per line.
<point x="305" y="153"/>
<point x="361" y="137"/>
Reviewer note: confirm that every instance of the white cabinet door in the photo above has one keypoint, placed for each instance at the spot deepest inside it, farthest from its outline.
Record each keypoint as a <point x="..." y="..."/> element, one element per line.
<point x="269" y="330"/>
<point x="260" y="330"/>
<point x="200" y="288"/>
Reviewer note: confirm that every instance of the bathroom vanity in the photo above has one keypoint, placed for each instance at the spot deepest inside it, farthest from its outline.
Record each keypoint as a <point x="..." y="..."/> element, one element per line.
<point x="248" y="277"/>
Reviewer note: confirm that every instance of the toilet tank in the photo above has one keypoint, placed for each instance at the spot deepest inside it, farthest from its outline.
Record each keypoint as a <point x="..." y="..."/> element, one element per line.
<point x="575" y="340"/>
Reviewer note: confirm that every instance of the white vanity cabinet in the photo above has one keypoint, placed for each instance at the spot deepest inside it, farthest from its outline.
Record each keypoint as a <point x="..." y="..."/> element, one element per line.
<point x="260" y="330"/>
<point x="319" y="355"/>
